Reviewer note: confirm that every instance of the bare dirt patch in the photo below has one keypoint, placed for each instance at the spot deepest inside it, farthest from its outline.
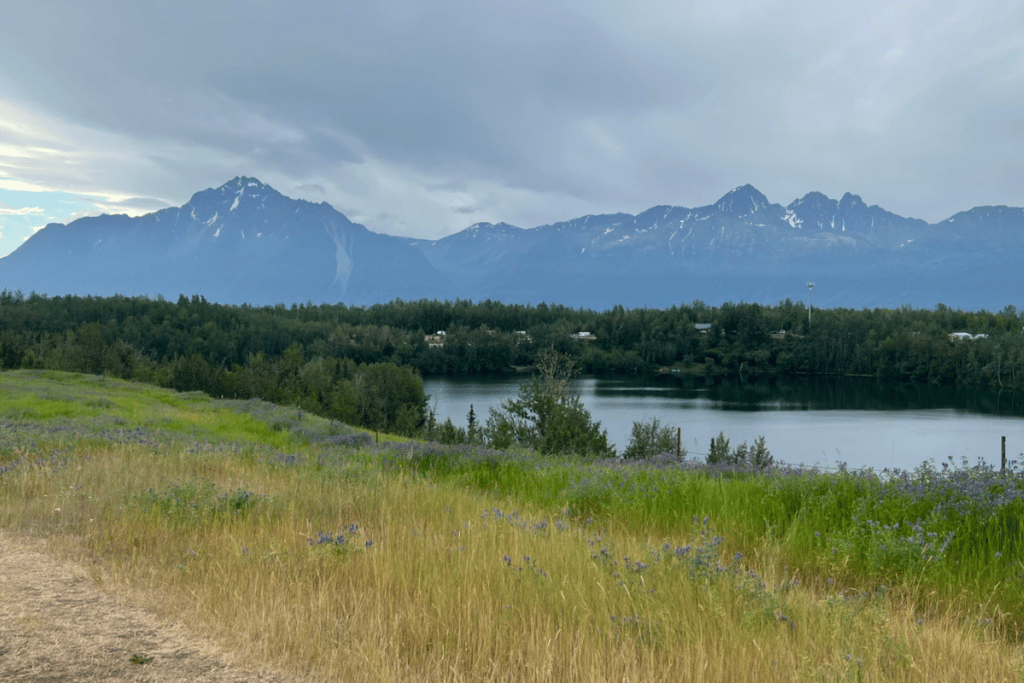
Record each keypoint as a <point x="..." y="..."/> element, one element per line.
<point x="57" y="624"/>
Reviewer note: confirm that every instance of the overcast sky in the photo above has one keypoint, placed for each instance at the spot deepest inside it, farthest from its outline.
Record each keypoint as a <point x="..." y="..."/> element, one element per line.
<point x="421" y="118"/>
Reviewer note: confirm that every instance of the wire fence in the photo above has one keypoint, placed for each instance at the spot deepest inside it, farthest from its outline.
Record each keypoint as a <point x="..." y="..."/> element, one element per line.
<point x="1005" y="464"/>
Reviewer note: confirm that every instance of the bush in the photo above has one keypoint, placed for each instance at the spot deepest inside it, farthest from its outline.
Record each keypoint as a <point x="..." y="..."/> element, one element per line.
<point x="757" y="456"/>
<point x="718" y="451"/>
<point x="547" y="416"/>
<point x="650" y="438"/>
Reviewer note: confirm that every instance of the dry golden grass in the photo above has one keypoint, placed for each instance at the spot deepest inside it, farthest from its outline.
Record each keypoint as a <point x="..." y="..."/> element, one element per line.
<point x="217" y="536"/>
<point x="446" y="592"/>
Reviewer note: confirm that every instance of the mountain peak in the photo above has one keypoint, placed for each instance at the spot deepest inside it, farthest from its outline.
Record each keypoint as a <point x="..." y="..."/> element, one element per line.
<point x="239" y="182"/>
<point x="813" y="200"/>
<point x="851" y="201"/>
<point x="234" y="191"/>
<point x="742" y="201"/>
<point x="484" y="231"/>
<point x="493" y="227"/>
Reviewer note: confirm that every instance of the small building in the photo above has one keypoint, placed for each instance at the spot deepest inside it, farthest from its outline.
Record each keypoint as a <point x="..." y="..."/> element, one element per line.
<point x="435" y="339"/>
<point x="583" y="336"/>
<point x="703" y="328"/>
<point x="965" y="336"/>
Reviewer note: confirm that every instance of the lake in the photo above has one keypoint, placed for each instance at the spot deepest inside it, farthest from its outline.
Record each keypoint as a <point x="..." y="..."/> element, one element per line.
<point x="805" y="421"/>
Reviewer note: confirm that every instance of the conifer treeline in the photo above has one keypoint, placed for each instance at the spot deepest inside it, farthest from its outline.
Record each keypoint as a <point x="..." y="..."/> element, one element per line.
<point x="285" y="353"/>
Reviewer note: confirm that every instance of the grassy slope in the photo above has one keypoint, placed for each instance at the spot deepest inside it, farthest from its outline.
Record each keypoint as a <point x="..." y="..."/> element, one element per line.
<point x="477" y="567"/>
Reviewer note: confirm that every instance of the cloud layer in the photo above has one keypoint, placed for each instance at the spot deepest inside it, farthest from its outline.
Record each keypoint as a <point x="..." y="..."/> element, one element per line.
<point x="422" y="118"/>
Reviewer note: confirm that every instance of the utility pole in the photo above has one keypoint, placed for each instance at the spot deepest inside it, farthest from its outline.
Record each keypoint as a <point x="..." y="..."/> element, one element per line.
<point x="810" y="302"/>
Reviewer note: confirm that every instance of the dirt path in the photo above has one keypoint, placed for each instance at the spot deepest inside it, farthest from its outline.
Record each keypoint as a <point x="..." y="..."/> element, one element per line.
<point x="57" y="625"/>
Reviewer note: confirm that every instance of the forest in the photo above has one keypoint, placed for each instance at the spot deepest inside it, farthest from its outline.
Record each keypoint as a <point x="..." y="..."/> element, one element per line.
<point x="363" y="365"/>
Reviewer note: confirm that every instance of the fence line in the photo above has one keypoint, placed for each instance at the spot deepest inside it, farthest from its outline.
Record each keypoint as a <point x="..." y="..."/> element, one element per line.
<point x="847" y="468"/>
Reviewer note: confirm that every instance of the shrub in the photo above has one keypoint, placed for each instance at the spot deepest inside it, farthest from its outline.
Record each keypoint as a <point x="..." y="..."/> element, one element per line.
<point x="757" y="456"/>
<point x="650" y="438"/>
<point x="547" y="416"/>
<point x="718" y="451"/>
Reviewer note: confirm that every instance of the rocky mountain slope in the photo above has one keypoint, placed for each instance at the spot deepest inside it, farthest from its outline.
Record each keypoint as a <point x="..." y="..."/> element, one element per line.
<point x="245" y="242"/>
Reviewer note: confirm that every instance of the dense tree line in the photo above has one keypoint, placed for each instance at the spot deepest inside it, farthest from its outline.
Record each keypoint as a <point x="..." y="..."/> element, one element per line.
<point x="227" y="350"/>
<point x="195" y="346"/>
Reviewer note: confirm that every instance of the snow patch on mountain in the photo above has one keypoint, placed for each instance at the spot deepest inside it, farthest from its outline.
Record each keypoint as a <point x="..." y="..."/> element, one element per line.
<point x="342" y="256"/>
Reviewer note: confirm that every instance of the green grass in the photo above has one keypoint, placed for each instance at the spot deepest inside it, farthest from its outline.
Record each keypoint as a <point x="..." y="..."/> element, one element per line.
<point x="943" y="540"/>
<point x="89" y="405"/>
<point x="458" y="564"/>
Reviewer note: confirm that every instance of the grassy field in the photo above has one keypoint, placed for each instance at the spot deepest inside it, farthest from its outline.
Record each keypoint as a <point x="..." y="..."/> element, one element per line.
<point x="303" y="544"/>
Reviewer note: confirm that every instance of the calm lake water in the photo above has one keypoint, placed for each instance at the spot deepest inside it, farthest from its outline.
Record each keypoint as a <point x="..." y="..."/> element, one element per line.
<point x="807" y="421"/>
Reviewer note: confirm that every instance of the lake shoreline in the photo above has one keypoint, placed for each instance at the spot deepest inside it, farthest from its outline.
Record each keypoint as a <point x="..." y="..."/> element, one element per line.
<point x="808" y="421"/>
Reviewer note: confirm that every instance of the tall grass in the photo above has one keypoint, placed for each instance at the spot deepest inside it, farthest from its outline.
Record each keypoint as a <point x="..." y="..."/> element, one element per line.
<point x="419" y="563"/>
<point x="944" y="537"/>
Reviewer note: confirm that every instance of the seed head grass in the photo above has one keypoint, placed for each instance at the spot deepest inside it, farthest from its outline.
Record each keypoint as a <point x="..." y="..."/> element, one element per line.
<point x="347" y="561"/>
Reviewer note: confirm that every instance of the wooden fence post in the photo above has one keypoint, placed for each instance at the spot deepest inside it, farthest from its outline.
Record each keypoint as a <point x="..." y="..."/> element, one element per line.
<point x="1003" y="468"/>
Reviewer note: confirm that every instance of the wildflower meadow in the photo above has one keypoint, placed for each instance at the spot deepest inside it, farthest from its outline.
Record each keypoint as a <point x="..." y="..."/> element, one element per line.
<point x="336" y="554"/>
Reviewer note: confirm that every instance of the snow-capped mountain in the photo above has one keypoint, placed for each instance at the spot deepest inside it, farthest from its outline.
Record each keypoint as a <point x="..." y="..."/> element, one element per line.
<point x="241" y="242"/>
<point x="245" y="242"/>
<point x="743" y="247"/>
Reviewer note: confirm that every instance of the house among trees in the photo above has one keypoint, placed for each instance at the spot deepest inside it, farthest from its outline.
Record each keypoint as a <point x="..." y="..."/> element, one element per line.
<point x="703" y="328"/>
<point x="435" y="339"/>
<point x="961" y="336"/>
<point x="583" y="336"/>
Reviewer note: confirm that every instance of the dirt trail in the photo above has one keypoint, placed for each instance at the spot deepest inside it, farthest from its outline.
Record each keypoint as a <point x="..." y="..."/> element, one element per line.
<point x="57" y="625"/>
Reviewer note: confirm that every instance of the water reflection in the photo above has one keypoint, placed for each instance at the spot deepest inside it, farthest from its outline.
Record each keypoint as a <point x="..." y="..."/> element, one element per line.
<point x="807" y="420"/>
<point x="814" y="393"/>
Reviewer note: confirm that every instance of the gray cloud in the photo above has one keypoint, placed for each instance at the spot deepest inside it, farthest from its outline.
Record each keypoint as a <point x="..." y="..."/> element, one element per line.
<point x="311" y="188"/>
<point x="412" y="115"/>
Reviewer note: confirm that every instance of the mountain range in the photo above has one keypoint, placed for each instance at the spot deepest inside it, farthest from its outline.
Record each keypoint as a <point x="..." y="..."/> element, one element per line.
<point x="244" y="242"/>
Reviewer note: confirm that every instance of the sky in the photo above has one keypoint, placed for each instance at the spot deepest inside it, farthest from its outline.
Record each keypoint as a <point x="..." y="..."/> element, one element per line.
<point x="421" y="118"/>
